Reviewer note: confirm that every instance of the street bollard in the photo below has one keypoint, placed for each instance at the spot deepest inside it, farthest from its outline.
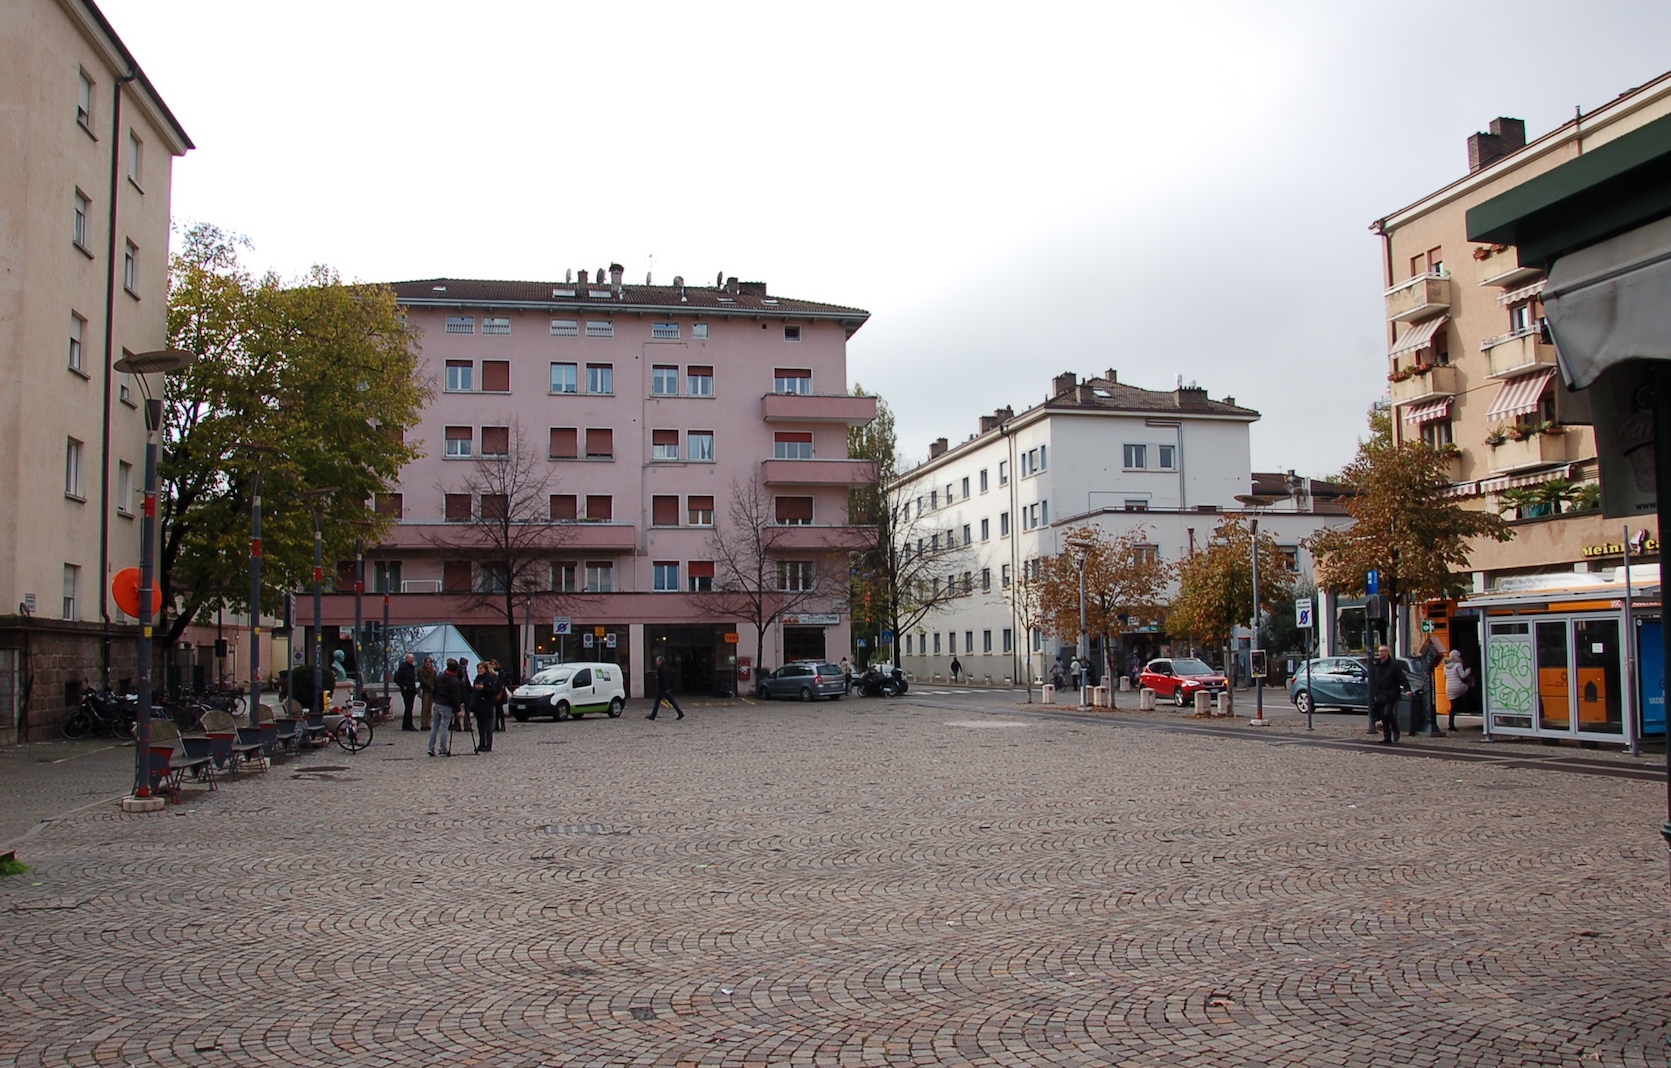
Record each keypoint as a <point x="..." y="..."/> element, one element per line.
<point x="1049" y="696"/>
<point x="1125" y="683"/>
<point x="1203" y="703"/>
<point x="1100" y="697"/>
<point x="1145" y="700"/>
<point x="1223" y="703"/>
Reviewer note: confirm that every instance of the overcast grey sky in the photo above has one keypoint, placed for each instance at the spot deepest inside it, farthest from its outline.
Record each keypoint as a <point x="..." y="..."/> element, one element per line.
<point x="1012" y="190"/>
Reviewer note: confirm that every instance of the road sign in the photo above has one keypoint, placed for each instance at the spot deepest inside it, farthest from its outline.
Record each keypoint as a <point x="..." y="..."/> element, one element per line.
<point x="1372" y="582"/>
<point x="586" y="640"/>
<point x="864" y="643"/>
<point x="609" y="641"/>
<point x="887" y="638"/>
<point x="1427" y="626"/>
<point x="561" y="624"/>
<point x="600" y="631"/>
<point x="1302" y="613"/>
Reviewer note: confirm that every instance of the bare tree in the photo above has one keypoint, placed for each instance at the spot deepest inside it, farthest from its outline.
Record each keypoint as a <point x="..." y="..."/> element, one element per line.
<point x="919" y="565"/>
<point x="505" y="528"/>
<point x="758" y="577"/>
<point x="1026" y="595"/>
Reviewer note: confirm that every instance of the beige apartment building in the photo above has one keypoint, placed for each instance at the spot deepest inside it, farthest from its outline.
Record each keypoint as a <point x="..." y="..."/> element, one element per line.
<point x="85" y="167"/>
<point x="1470" y="365"/>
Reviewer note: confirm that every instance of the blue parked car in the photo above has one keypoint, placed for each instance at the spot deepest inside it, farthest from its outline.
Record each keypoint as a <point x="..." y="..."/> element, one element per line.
<point x="1340" y="682"/>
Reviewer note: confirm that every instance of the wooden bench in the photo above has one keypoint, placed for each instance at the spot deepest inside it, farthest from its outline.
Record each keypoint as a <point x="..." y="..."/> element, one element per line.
<point x="227" y="747"/>
<point x="171" y="761"/>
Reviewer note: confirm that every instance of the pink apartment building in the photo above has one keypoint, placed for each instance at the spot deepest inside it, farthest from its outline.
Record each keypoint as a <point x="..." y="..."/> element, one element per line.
<point x="645" y="410"/>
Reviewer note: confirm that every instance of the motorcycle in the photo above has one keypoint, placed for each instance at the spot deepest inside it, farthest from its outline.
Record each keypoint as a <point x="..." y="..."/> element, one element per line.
<point x="876" y="683"/>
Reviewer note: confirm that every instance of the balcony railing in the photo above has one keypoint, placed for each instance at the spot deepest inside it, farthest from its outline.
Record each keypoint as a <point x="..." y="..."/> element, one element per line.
<point x="1536" y="450"/>
<point x="846" y="473"/>
<point x="1422" y="297"/>
<point x="1433" y="382"/>
<point x="830" y="538"/>
<point x="420" y="586"/>
<point x="817" y="408"/>
<point x="1517" y="352"/>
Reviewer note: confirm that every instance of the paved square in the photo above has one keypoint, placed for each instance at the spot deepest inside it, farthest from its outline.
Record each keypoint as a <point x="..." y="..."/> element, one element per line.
<point x="852" y="883"/>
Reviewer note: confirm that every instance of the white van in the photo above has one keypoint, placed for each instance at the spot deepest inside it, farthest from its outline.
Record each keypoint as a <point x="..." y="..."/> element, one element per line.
<point x="565" y="691"/>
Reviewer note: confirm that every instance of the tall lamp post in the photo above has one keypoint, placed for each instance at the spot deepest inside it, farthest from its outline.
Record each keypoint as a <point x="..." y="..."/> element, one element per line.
<point x="140" y="365"/>
<point x="318" y="499"/>
<point x="1258" y="719"/>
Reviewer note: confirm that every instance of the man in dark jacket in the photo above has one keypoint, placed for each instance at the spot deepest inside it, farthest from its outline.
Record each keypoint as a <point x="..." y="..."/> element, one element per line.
<point x="406" y="679"/>
<point x="1390" y="683"/>
<point x="664" y="689"/>
<point x="449" y="693"/>
<point x="484" y="697"/>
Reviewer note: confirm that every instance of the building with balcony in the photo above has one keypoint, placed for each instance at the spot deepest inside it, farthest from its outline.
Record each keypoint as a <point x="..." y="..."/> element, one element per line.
<point x="653" y="432"/>
<point x="1472" y="369"/>
<point x="90" y="147"/>
<point x="1097" y="452"/>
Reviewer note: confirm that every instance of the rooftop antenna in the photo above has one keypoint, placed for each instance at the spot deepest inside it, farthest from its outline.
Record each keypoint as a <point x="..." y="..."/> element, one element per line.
<point x="1180" y="384"/>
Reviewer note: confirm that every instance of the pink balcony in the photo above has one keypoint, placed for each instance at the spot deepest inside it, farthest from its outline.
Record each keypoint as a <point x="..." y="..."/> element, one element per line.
<point x="846" y="473"/>
<point x="808" y="408"/>
<point x="830" y="539"/>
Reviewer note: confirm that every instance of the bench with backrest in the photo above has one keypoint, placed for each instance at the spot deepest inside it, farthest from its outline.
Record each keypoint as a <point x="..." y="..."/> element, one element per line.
<point x="171" y="762"/>
<point x="263" y="730"/>
<point x="289" y="731"/>
<point x="227" y="747"/>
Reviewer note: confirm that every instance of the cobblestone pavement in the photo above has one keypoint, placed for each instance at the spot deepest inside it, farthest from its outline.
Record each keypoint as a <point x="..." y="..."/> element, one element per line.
<point x="855" y="883"/>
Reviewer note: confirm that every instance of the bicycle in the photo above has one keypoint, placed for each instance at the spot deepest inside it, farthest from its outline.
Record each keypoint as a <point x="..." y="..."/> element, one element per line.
<point x="351" y="730"/>
<point x="101" y="714"/>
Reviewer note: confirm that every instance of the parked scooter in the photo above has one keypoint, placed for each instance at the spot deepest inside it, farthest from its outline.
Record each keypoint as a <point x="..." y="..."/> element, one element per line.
<point x="877" y="683"/>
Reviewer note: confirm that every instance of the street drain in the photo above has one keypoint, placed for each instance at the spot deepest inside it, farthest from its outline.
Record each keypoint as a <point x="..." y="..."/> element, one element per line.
<point x="643" y="1014"/>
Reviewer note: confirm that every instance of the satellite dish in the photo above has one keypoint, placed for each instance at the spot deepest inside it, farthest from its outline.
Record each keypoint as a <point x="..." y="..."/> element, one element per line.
<point x="719" y="280"/>
<point x="600" y="275"/>
<point x="646" y="277"/>
<point x="568" y="276"/>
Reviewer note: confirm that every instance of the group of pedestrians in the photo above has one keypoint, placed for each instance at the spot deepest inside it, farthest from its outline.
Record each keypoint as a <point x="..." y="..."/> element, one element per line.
<point x="452" y="696"/>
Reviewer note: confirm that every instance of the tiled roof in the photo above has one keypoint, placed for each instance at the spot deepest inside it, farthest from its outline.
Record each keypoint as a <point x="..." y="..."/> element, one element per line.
<point x="748" y="297"/>
<point x="1100" y="394"/>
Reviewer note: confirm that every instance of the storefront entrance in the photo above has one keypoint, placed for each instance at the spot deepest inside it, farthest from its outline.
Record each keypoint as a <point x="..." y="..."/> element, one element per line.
<point x="803" y="643"/>
<point x="699" y="655"/>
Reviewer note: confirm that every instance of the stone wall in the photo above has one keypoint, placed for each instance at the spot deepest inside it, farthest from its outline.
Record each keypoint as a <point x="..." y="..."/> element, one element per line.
<point x="56" y="658"/>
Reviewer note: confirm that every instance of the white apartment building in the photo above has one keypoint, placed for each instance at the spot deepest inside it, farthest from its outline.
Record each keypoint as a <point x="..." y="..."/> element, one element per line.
<point x="1100" y="452"/>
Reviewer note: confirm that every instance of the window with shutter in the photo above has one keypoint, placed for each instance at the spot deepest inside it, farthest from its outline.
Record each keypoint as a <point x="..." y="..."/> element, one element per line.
<point x="700" y="511"/>
<point x="496" y="376"/>
<point x="495" y="506"/>
<point x="345" y="575"/>
<point x="794" y="511"/>
<point x="496" y="441"/>
<point x="664" y="511"/>
<point x="792" y="445"/>
<point x="564" y="508"/>
<point x="664" y="444"/>
<point x="458" y="508"/>
<point x="600" y="443"/>
<point x="460" y="441"/>
<point x="600" y="508"/>
<point x="565" y="443"/>
<point x="455" y="576"/>
<point x="391" y="504"/>
<point x="700" y="575"/>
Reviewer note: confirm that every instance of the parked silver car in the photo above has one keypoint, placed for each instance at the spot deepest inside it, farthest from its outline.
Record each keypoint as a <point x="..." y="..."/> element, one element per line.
<point x="804" y="679"/>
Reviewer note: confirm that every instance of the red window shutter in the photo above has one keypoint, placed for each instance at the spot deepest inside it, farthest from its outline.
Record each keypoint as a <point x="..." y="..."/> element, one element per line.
<point x="458" y="508"/>
<point x="794" y="509"/>
<point x="700" y="372"/>
<point x="461" y="433"/>
<point x="495" y="505"/>
<point x="564" y="443"/>
<point x="563" y="508"/>
<point x="345" y="575"/>
<point x="701" y="569"/>
<point x="664" y="511"/>
<point x="600" y="508"/>
<point x="793" y="436"/>
<point x="664" y="437"/>
<point x="791" y="372"/>
<point x="496" y="376"/>
<point x="496" y="440"/>
<point x="391" y="504"/>
<point x="600" y="443"/>
<point x="701" y="504"/>
<point x="455" y="576"/>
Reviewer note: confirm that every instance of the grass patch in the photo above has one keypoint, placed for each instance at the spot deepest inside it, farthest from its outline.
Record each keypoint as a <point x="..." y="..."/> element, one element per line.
<point x="10" y="866"/>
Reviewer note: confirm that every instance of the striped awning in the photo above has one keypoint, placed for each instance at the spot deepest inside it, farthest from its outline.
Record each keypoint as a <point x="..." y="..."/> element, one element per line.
<point x="1431" y="412"/>
<point x="1419" y="336"/>
<point x="1519" y="396"/>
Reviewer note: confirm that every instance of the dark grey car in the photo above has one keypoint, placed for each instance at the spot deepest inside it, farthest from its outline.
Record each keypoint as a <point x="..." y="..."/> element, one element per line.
<point x="1340" y="682"/>
<point x="804" y="680"/>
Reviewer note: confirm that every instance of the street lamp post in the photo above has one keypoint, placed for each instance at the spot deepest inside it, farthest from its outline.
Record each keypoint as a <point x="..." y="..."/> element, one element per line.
<point x="317" y="500"/>
<point x="1084" y="641"/>
<point x="140" y="365"/>
<point x="1259" y="719"/>
<point x="359" y="619"/>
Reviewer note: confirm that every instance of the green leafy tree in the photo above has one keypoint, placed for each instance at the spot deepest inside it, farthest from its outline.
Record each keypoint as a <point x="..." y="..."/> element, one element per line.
<point x="868" y="506"/>
<point x="1125" y="581"/>
<point x="314" y="384"/>
<point x="1215" y="585"/>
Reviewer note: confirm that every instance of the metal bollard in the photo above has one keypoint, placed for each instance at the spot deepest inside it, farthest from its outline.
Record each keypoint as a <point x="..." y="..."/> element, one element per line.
<point x="1100" y="697"/>
<point x="1203" y="703"/>
<point x="1125" y="683"/>
<point x="1223" y="703"/>
<point x="1145" y="700"/>
<point x="1049" y="696"/>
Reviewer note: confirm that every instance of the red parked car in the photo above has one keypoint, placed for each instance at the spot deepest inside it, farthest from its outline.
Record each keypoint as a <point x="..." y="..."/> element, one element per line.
<point x="1180" y="678"/>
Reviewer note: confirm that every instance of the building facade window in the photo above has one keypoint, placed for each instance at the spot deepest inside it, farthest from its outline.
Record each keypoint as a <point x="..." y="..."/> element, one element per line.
<point x="600" y="443"/>
<point x="1135" y="504"/>
<point x="664" y="331"/>
<point x="666" y="576"/>
<point x="565" y="576"/>
<point x="84" y="101"/>
<point x="565" y="508"/>
<point x="700" y="574"/>
<point x="130" y="268"/>
<point x="565" y="443"/>
<point x="498" y="326"/>
<point x="124" y="488"/>
<point x="456" y="508"/>
<point x="936" y="643"/>
<point x="565" y="328"/>
<point x="699" y="511"/>
<point x="72" y="591"/>
<point x="699" y="446"/>
<point x="565" y="378"/>
<point x="986" y="580"/>
<point x="1004" y="578"/>
<point x="1003" y="524"/>
<point x="78" y="327"/>
<point x="664" y="444"/>
<point x="496" y="441"/>
<point x="1009" y="640"/>
<point x="1437" y="434"/>
<point x="1135" y="457"/>
<point x="794" y="511"/>
<point x="600" y="328"/>
<point x="699" y="381"/>
<point x="385" y="576"/>
<point x="461" y="376"/>
<point x="664" y="510"/>
<point x="792" y="445"/>
<point x="136" y="161"/>
<point x="496" y="376"/>
<point x="796" y="380"/>
<point x="1168" y="457"/>
<point x="791" y="333"/>
<point x="455" y="576"/>
<point x="461" y="324"/>
<point x="986" y="530"/>
<point x="699" y="331"/>
<point x="72" y="469"/>
<point x="600" y="576"/>
<point x="460" y="442"/>
<point x="795" y="575"/>
<point x="1003" y="472"/>
<point x="600" y="377"/>
<point x="600" y="508"/>
<point x="664" y="381"/>
<point x="83" y="207"/>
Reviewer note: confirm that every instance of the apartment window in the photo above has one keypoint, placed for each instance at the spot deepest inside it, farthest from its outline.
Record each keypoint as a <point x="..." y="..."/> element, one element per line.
<point x="499" y="326"/>
<point x="700" y="381"/>
<point x="1291" y="559"/>
<point x="565" y="328"/>
<point x="460" y="441"/>
<point x="968" y="587"/>
<point x="1147" y="554"/>
<point x="136" y="159"/>
<point x="600" y="328"/>
<point x="1044" y="514"/>
<point x="700" y="574"/>
<point x="600" y="508"/>
<point x="1003" y="524"/>
<point x="699" y="331"/>
<point x="664" y="444"/>
<point x="699" y="511"/>
<point x="1168" y="457"/>
<point x="496" y="506"/>
<point x="124" y="385"/>
<point x="792" y="380"/>
<point x="795" y="575"/>
<point x="1035" y="460"/>
<point x="1038" y="639"/>
<point x="600" y="377"/>
<point x="130" y="268"/>
<point x="564" y="378"/>
<point x="457" y="508"/>
<point x="664" y="381"/>
<point x="600" y="576"/>
<point x="908" y="645"/>
<point x="968" y="641"/>
<point x="986" y="530"/>
<point x="934" y="543"/>
<point x="72" y="587"/>
<point x="565" y="508"/>
<point x="986" y="580"/>
<point x="385" y="576"/>
<point x="983" y="480"/>
<point x="461" y="324"/>
<point x="1003" y="472"/>
<point x="496" y="441"/>
<point x="390" y="504"/>
<point x="82" y="207"/>
<point x="600" y="443"/>
<point x="936" y="643"/>
<point x="1009" y="640"/>
<point x="1004" y="582"/>
<point x="72" y="469"/>
<point x="794" y="511"/>
<point x="461" y="376"/>
<point x="665" y="576"/>
<point x="124" y="488"/>
<point x="791" y="333"/>
<point x="699" y="446"/>
<point x="664" y="510"/>
<point x="664" y="331"/>
<point x="455" y="576"/>
<point x="1134" y="504"/>
<point x="933" y="499"/>
<point x="966" y="487"/>
<point x="986" y="641"/>
<point x="496" y="376"/>
<point x="78" y="326"/>
<point x="84" y="101"/>
<point x="792" y="445"/>
<point x="1136" y="457"/>
<point x="1520" y="318"/>
<point x="565" y="443"/>
<point x="1437" y="434"/>
<point x="565" y="576"/>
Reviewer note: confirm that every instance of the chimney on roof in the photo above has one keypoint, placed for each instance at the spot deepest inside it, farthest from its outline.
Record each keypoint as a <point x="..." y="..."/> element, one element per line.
<point x="1087" y="395"/>
<point x="1230" y="401"/>
<point x="989" y="423"/>
<point x="731" y="285"/>
<point x="1191" y="396"/>
<point x="1004" y="414"/>
<point x="617" y="274"/>
<point x="1113" y="379"/>
<point x="936" y="448"/>
<point x="1507" y="136"/>
<point x="583" y="276"/>
<point x="1063" y="383"/>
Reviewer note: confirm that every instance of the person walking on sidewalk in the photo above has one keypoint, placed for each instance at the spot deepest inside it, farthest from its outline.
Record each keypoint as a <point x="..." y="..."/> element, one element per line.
<point x="664" y="689"/>
<point x="957" y="667"/>
<point x="486" y="693"/>
<point x="426" y="688"/>
<point x="449" y="691"/>
<point x="406" y="679"/>
<point x="1390" y="684"/>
